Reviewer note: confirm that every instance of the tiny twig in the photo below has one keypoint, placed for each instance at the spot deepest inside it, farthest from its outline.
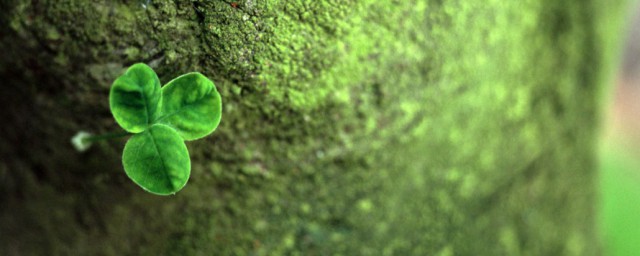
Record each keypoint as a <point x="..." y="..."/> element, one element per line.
<point x="106" y="136"/>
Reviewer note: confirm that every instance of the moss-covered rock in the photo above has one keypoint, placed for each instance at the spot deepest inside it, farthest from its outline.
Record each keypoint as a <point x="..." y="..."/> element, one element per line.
<point x="349" y="127"/>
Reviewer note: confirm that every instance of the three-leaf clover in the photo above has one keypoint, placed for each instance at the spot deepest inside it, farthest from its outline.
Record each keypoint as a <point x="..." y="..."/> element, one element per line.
<point x="161" y="119"/>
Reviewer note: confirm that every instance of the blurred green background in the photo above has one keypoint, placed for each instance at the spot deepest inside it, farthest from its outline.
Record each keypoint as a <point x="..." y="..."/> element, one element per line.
<point x="620" y="152"/>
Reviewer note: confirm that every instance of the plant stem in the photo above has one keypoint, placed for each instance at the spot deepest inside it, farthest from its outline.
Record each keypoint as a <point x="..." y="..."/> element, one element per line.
<point x="106" y="136"/>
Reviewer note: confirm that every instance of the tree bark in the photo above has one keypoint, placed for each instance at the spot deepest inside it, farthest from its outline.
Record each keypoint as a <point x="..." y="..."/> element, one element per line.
<point x="349" y="127"/>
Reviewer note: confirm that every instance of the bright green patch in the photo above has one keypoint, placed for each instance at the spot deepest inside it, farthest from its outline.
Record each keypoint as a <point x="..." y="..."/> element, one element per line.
<point x="187" y="108"/>
<point x="620" y="203"/>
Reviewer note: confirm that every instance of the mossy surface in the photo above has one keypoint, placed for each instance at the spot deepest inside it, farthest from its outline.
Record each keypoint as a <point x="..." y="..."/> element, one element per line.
<point x="349" y="127"/>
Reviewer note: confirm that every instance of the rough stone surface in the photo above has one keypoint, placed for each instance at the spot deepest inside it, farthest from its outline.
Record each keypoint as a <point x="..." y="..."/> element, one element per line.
<point x="363" y="127"/>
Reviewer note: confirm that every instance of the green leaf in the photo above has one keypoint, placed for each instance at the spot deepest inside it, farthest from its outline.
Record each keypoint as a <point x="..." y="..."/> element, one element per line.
<point x="157" y="160"/>
<point x="135" y="97"/>
<point x="191" y="104"/>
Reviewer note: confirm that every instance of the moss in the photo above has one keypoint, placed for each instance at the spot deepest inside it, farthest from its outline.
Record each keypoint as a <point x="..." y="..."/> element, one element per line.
<point x="349" y="127"/>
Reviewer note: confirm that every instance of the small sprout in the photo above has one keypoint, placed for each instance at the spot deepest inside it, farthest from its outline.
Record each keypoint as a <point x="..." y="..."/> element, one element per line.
<point x="159" y="119"/>
<point x="80" y="142"/>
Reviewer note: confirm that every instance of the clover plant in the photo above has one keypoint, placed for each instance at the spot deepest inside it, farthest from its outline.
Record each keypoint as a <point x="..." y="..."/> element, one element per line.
<point x="160" y="119"/>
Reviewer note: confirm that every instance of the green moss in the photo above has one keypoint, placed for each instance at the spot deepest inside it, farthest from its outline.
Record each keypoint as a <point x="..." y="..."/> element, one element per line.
<point x="352" y="128"/>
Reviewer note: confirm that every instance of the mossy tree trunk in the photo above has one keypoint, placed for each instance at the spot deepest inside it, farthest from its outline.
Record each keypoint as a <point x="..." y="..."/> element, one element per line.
<point x="349" y="127"/>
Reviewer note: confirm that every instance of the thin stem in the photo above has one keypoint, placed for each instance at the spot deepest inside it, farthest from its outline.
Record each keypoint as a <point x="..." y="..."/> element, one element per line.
<point x="106" y="136"/>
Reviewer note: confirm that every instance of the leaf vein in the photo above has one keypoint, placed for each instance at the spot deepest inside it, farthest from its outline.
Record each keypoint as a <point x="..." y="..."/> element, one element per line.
<point x="164" y="167"/>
